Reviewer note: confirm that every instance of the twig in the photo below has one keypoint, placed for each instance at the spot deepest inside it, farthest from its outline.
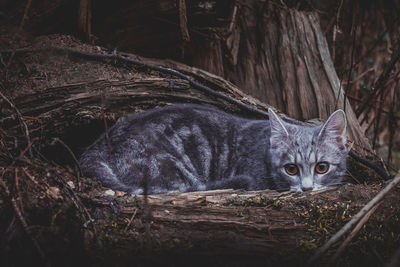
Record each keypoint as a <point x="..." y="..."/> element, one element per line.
<point x="233" y="17"/>
<point x="28" y="139"/>
<point x="392" y="120"/>
<point x="105" y="127"/>
<point x="354" y="30"/>
<point x="369" y="163"/>
<point x="183" y="20"/>
<point x="147" y="209"/>
<point x="381" y="36"/>
<point x="30" y="176"/>
<point x="21" y="25"/>
<point x="79" y="205"/>
<point x="183" y="25"/>
<point x="381" y="80"/>
<point x="58" y="140"/>
<point x="356" y="218"/>
<point x="131" y="219"/>
<point x="21" y="219"/>
<point x="28" y="147"/>
<point x="18" y="191"/>
<point x="191" y="30"/>
<point x="335" y="29"/>
<point x="382" y="109"/>
<point x="352" y="177"/>
<point x="77" y="202"/>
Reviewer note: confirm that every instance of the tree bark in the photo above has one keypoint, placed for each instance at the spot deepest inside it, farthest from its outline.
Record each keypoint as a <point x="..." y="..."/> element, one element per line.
<point x="280" y="56"/>
<point x="85" y="19"/>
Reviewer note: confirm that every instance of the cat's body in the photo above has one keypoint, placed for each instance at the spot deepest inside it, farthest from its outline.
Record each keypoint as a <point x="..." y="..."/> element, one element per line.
<point x="190" y="147"/>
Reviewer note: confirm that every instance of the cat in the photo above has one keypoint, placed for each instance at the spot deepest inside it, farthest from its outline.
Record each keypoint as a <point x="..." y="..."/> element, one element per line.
<point x="192" y="147"/>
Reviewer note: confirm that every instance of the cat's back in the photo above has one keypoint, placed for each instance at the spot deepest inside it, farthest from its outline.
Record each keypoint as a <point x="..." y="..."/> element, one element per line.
<point x="183" y="111"/>
<point x="175" y="117"/>
<point x="180" y="121"/>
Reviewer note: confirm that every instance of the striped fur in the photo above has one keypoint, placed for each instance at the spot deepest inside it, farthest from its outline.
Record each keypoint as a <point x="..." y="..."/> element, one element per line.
<point x="190" y="147"/>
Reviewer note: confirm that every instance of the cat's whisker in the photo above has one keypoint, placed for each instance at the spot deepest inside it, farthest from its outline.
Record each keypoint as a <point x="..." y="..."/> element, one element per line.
<point x="332" y="184"/>
<point x="348" y="173"/>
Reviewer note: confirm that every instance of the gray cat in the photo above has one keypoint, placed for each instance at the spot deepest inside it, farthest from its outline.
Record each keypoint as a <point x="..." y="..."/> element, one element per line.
<point x="190" y="147"/>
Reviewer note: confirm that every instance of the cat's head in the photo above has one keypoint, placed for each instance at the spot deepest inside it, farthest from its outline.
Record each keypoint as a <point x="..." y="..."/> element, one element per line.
<point x="304" y="158"/>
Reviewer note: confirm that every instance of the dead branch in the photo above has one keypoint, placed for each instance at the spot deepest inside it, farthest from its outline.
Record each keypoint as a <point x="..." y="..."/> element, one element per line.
<point x="131" y="219"/>
<point x="58" y="140"/>
<point x="21" y="25"/>
<point x="369" y="163"/>
<point x="21" y="119"/>
<point x="183" y="20"/>
<point x="121" y="58"/>
<point x="28" y="147"/>
<point x="21" y="218"/>
<point x="377" y="89"/>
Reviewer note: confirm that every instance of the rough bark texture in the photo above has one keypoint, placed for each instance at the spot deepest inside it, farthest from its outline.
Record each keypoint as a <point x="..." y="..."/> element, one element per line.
<point x="85" y="19"/>
<point x="280" y="56"/>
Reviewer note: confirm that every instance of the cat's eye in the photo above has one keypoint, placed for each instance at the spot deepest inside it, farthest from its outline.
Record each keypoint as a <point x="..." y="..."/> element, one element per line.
<point x="322" y="167"/>
<point x="291" y="169"/>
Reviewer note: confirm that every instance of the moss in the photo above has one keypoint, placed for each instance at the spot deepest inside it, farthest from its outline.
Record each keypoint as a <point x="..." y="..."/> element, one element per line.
<point x="325" y="218"/>
<point x="256" y="201"/>
<point x="380" y="234"/>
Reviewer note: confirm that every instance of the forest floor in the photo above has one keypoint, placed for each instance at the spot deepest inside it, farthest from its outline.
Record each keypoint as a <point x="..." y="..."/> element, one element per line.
<point x="51" y="214"/>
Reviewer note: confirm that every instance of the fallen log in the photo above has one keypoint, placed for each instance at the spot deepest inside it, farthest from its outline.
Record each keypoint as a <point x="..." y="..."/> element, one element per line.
<point x="74" y="220"/>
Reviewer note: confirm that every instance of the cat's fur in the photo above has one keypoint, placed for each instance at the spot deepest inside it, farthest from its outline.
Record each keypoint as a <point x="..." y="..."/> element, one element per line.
<point x="190" y="147"/>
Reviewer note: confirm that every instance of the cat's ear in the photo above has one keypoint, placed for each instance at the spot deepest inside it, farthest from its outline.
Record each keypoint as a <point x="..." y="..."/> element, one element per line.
<point x="278" y="129"/>
<point x="334" y="128"/>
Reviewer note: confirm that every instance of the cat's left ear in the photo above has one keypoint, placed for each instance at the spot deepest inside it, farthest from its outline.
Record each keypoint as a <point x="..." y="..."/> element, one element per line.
<point x="278" y="130"/>
<point x="334" y="128"/>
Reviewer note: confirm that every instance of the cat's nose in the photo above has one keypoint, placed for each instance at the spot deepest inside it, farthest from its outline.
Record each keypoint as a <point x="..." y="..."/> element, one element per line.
<point x="305" y="189"/>
<point x="306" y="184"/>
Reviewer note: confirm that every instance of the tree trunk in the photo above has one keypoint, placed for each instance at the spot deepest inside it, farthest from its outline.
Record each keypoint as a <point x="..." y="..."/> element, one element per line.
<point x="280" y="56"/>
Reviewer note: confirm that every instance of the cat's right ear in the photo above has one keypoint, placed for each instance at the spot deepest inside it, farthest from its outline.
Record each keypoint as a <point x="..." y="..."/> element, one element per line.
<point x="334" y="128"/>
<point x="278" y="129"/>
